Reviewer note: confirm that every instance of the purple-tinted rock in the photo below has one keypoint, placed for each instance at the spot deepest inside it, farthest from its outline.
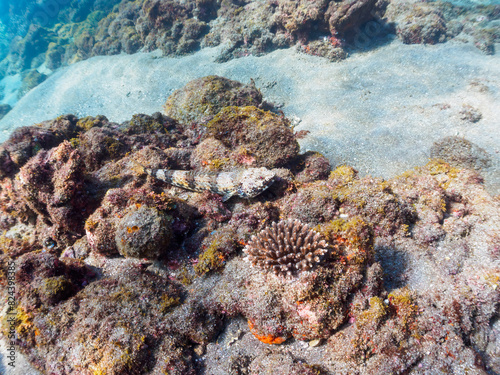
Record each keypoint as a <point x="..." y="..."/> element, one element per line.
<point x="143" y="233"/>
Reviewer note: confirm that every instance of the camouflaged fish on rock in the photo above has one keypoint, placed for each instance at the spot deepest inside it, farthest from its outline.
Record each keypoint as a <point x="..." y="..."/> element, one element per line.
<point x="244" y="183"/>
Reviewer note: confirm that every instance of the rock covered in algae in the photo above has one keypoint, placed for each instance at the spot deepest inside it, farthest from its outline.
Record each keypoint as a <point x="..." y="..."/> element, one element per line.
<point x="460" y="153"/>
<point x="75" y="31"/>
<point x="256" y="137"/>
<point x="203" y="98"/>
<point x="143" y="232"/>
<point x="417" y="22"/>
<point x="411" y="281"/>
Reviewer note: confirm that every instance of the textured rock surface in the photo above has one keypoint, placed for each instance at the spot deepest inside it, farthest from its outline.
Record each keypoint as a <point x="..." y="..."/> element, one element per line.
<point x="201" y="99"/>
<point x="143" y="233"/>
<point x="411" y="282"/>
<point x="61" y="34"/>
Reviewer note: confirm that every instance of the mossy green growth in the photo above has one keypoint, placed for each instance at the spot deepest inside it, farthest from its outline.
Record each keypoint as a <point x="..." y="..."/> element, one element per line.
<point x="355" y="231"/>
<point x="145" y="124"/>
<point x="439" y="169"/>
<point x="217" y="164"/>
<point x="343" y="175"/>
<point x="75" y="142"/>
<point x="437" y="166"/>
<point x="353" y="195"/>
<point x="184" y="277"/>
<point x="347" y="189"/>
<point x="113" y="146"/>
<point x="375" y="313"/>
<point x="206" y="99"/>
<point x="403" y="302"/>
<point x="252" y="116"/>
<point x="124" y="296"/>
<point x="30" y="80"/>
<point x="5" y="243"/>
<point x="87" y="123"/>
<point x="210" y="259"/>
<point x="168" y="302"/>
<point x="23" y="324"/>
<point x="94" y="17"/>
<point x="56" y="287"/>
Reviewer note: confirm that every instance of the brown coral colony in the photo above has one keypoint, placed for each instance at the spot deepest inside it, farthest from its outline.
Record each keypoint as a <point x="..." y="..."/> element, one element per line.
<point x="285" y="247"/>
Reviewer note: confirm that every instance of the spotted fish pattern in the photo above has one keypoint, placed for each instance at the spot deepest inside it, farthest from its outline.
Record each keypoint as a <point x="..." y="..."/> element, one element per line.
<point x="244" y="183"/>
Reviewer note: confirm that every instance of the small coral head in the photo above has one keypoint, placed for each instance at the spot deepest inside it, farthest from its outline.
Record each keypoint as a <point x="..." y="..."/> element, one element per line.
<point x="286" y="247"/>
<point x="254" y="181"/>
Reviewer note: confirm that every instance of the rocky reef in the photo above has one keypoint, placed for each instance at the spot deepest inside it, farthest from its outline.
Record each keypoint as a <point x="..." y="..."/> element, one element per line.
<point x="45" y="35"/>
<point x="118" y="272"/>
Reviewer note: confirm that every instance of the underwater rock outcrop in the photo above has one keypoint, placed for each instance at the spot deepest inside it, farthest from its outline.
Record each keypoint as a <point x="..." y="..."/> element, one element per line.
<point x="120" y="272"/>
<point x="61" y="33"/>
<point x="42" y="36"/>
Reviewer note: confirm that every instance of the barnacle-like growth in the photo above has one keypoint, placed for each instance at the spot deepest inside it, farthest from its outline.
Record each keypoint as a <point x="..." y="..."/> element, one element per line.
<point x="285" y="247"/>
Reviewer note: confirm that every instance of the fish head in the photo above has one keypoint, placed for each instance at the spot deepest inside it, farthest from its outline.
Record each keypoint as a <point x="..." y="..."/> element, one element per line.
<point x="254" y="181"/>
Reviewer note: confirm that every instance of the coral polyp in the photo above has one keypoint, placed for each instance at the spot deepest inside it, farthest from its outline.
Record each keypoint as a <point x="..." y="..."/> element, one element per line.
<point x="285" y="247"/>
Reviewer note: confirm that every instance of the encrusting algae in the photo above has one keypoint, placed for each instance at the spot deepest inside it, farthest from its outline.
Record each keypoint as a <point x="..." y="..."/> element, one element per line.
<point x="126" y="274"/>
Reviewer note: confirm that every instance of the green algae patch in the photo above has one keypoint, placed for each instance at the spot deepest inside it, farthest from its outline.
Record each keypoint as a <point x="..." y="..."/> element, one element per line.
<point x="203" y="98"/>
<point x="252" y="132"/>
<point x="216" y="249"/>
<point x="22" y="324"/>
<point x="89" y="122"/>
<point x="343" y="175"/>
<point x="113" y="146"/>
<point x="354" y="233"/>
<point x="145" y="124"/>
<point x="375" y="313"/>
<point x="256" y="117"/>
<point x="168" y="303"/>
<point x="437" y="167"/>
<point x="30" y="80"/>
<point x="54" y="289"/>
<point x="211" y="259"/>
<point x="403" y="303"/>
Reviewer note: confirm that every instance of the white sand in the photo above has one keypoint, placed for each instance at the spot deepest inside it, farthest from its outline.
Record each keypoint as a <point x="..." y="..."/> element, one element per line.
<point x="21" y="365"/>
<point x="379" y="111"/>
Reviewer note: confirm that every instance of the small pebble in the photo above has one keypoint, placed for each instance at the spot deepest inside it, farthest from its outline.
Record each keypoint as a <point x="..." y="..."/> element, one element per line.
<point x="314" y="343"/>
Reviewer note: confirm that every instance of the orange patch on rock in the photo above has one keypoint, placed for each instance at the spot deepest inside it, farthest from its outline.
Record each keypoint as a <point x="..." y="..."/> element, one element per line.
<point x="135" y="228"/>
<point x="266" y="339"/>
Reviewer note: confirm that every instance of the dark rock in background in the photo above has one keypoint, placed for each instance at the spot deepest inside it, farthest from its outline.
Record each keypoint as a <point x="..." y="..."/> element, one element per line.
<point x="461" y="153"/>
<point x="4" y="109"/>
